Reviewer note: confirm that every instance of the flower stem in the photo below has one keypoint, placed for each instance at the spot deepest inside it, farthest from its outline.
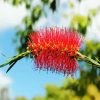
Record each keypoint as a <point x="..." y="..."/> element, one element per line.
<point x="88" y="59"/>
<point x="15" y="58"/>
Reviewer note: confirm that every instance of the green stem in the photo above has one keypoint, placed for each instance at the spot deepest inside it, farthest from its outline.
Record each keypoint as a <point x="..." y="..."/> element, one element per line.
<point x="79" y="55"/>
<point x="88" y="59"/>
<point x="16" y="58"/>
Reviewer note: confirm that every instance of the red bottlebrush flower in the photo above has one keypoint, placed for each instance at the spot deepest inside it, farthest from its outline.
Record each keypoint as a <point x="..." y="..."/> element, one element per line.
<point x="55" y="49"/>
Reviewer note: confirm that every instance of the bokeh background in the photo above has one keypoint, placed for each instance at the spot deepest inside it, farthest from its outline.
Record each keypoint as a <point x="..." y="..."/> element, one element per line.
<point x="20" y="17"/>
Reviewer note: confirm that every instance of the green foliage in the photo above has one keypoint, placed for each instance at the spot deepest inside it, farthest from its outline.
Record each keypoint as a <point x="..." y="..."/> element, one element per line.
<point x="45" y="1"/>
<point x="87" y="87"/>
<point x="20" y="98"/>
<point x="92" y="49"/>
<point x="16" y="2"/>
<point x="71" y="4"/>
<point x="36" y="13"/>
<point x="80" y="23"/>
<point x="53" y="5"/>
<point x="38" y="98"/>
<point x="84" y="88"/>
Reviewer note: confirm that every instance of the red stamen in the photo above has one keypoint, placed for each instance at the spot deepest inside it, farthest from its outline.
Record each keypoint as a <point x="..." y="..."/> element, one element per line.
<point x="55" y="49"/>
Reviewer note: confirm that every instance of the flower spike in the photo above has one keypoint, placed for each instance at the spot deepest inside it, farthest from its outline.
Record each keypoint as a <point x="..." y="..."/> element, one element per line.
<point x="55" y="49"/>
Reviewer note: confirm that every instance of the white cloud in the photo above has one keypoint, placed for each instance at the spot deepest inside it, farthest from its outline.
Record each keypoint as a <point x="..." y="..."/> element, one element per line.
<point x="86" y="5"/>
<point x="10" y="16"/>
<point x="4" y="81"/>
<point x="94" y="29"/>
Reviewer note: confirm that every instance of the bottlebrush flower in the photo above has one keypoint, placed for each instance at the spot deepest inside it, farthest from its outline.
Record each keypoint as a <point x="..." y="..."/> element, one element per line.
<point x="55" y="49"/>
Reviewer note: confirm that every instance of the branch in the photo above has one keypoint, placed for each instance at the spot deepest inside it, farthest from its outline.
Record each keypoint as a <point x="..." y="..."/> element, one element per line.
<point x="88" y="59"/>
<point x="14" y="59"/>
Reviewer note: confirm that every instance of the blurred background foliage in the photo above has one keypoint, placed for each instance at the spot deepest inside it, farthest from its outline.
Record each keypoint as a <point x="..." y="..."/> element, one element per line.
<point x="29" y="21"/>
<point x="87" y="86"/>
